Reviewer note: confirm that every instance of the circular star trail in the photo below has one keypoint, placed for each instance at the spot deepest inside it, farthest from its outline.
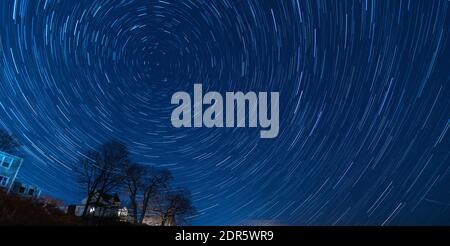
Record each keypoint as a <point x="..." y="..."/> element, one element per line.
<point x="364" y="105"/>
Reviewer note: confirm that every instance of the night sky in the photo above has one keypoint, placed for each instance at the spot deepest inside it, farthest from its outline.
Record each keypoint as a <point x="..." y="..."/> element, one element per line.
<point x="364" y="102"/>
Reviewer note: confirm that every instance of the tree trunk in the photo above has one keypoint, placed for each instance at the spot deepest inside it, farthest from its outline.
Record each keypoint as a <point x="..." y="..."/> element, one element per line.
<point x="86" y="206"/>
<point x="135" y="210"/>
<point x="96" y="203"/>
<point x="144" y="210"/>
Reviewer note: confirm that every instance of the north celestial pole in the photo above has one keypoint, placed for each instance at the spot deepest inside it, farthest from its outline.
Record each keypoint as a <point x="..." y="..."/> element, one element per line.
<point x="364" y="102"/>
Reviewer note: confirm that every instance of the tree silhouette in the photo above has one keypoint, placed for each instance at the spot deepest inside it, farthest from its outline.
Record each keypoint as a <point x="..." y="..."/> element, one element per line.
<point x="143" y="185"/>
<point x="174" y="207"/>
<point x="99" y="171"/>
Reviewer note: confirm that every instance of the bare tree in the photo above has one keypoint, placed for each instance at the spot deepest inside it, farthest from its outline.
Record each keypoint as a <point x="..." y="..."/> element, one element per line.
<point x="88" y="176"/>
<point x="99" y="172"/>
<point x="175" y="207"/>
<point x="8" y="143"/>
<point x="133" y="180"/>
<point x="143" y="184"/>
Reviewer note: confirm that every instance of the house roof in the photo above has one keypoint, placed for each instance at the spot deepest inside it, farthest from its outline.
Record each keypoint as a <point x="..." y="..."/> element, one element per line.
<point x="105" y="199"/>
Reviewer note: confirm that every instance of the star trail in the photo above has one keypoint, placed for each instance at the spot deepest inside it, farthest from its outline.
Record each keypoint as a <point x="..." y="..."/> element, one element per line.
<point x="364" y="89"/>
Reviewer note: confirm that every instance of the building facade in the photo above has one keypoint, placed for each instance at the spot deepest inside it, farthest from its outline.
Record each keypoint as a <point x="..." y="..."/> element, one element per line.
<point x="25" y="190"/>
<point x="9" y="168"/>
<point x="101" y="205"/>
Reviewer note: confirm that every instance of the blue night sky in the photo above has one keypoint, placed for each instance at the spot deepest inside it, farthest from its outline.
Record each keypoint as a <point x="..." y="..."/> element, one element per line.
<point x="364" y="102"/>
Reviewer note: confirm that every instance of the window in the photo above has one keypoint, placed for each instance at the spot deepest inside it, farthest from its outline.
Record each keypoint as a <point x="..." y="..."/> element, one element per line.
<point x="22" y="189"/>
<point x="30" y="192"/>
<point x="6" y="162"/>
<point x="3" y="181"/>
